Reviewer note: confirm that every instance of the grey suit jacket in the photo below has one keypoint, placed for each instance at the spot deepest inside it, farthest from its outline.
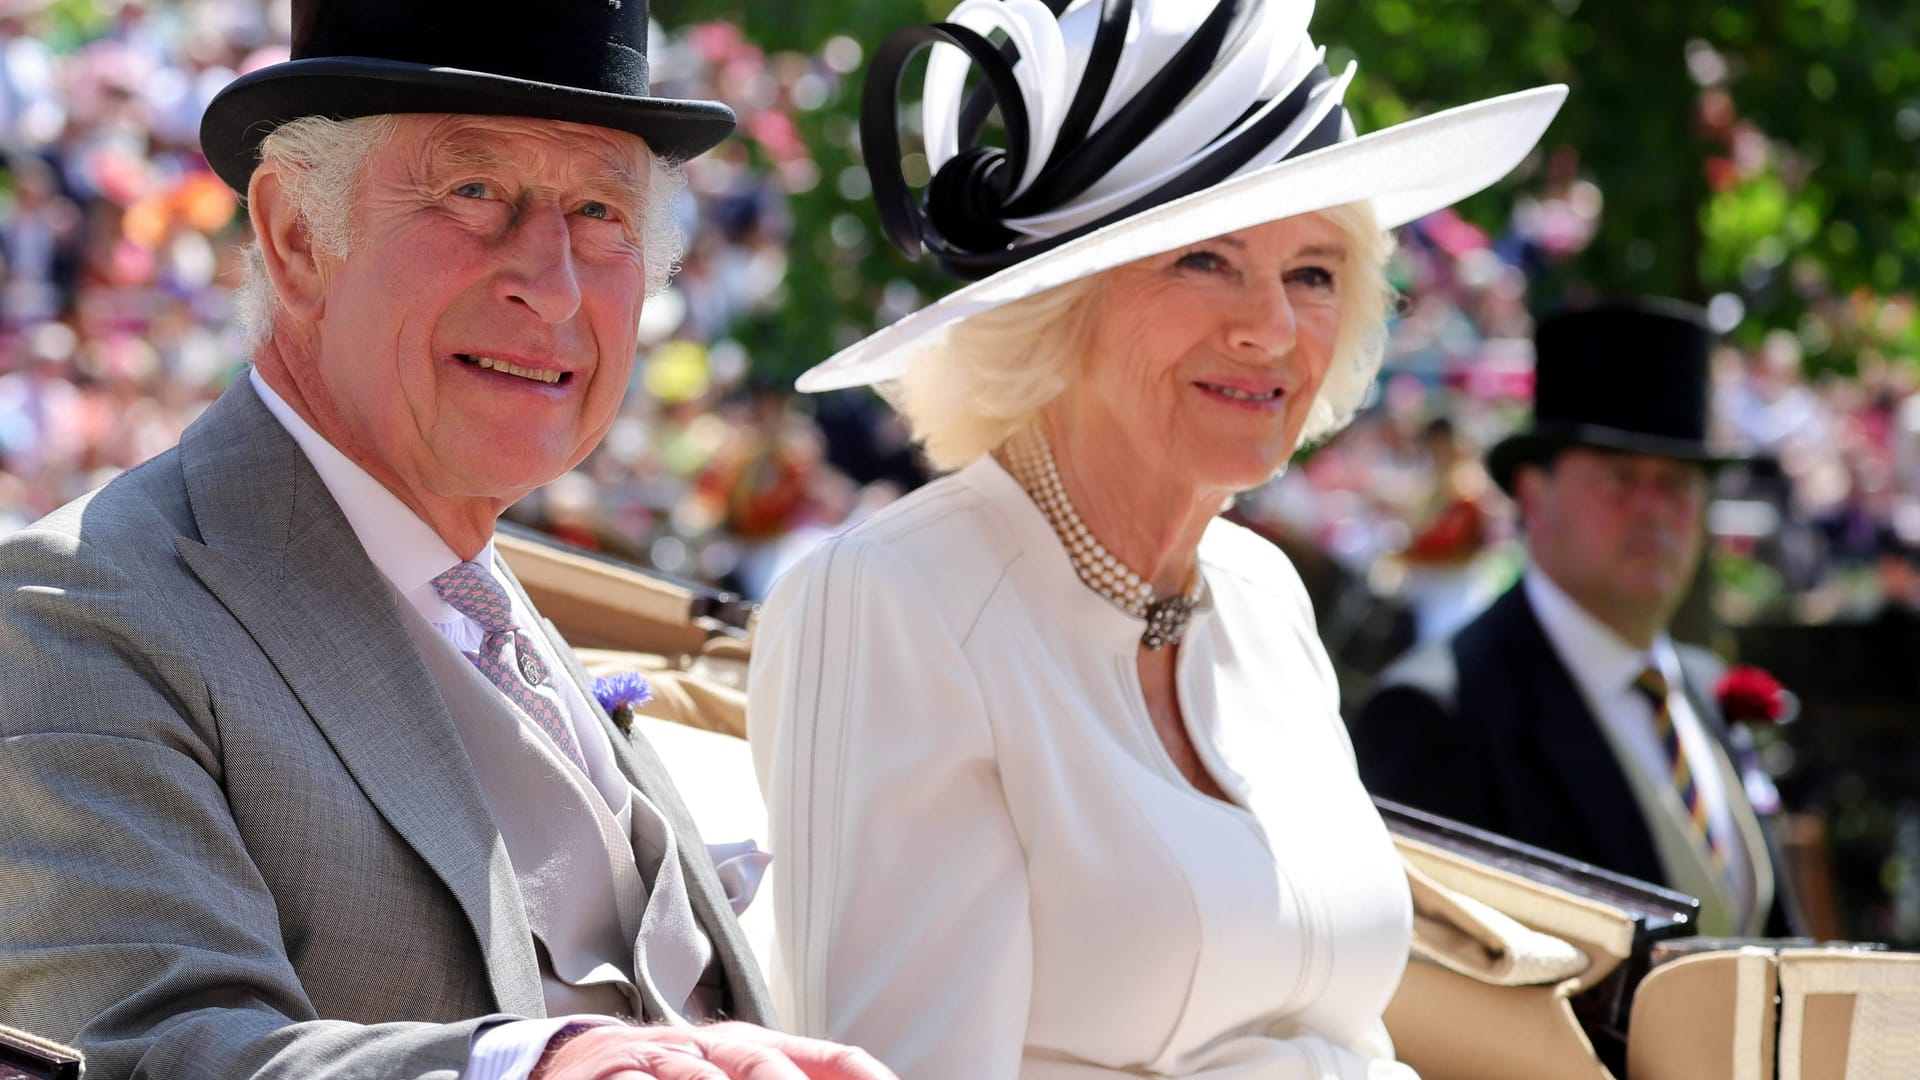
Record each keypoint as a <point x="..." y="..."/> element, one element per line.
<point x="238" y="833"/>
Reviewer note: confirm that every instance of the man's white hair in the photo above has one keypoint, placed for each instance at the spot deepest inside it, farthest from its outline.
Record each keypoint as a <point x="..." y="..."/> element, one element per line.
<point x="321" y="162"/>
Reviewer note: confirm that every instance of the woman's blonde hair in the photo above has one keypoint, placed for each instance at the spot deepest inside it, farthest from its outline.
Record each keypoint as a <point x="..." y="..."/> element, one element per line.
<point x="995" y="371"/>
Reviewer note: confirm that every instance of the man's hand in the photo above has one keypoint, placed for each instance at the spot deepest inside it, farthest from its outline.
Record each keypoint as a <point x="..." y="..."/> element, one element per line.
<point x="714" y="1052"/>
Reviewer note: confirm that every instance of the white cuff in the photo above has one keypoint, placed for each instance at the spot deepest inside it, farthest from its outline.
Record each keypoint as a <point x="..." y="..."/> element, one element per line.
<point x="509" y="1051"/>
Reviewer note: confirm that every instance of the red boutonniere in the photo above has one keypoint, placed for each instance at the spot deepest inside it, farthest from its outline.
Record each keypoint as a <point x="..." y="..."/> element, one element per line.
<point x="1748" y="695"/>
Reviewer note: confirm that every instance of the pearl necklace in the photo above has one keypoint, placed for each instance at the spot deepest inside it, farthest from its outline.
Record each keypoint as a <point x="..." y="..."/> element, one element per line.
<point x="1030" y="461"/>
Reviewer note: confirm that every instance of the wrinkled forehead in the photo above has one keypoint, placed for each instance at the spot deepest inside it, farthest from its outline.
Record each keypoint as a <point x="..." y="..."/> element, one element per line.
<point x="1319" y="235"/>
<point x="438" y="142"/>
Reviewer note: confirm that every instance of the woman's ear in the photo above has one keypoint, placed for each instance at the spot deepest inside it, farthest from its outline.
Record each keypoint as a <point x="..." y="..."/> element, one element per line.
<point x="285" y="245"/>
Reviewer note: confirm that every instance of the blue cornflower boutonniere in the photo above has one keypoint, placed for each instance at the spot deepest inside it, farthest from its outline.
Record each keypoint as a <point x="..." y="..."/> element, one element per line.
<point x="620" y="694"/>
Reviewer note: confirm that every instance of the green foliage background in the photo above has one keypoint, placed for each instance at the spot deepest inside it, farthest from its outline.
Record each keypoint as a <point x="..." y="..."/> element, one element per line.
<point x="1818" y="232"/>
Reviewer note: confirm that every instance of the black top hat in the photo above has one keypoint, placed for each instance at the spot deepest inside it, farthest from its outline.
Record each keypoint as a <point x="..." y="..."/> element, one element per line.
<point x="1628" y="376"/>
<point x="578" y="60"/>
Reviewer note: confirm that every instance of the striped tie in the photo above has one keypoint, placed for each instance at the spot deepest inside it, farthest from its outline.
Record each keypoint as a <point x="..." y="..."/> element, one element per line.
<point x="1654" y="685"/>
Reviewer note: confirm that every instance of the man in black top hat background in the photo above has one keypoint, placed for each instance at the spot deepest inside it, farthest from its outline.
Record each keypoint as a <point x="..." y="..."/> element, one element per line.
<point x="294" y="781"/>
<point x="1565" y="716"/>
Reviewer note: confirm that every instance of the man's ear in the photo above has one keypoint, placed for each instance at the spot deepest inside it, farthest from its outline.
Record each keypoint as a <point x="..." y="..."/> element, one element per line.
<point x="1529" y="484"/>
<point x="292" y="264"/>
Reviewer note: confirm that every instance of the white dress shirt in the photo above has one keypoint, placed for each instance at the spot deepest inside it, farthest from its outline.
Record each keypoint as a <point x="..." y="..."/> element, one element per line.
<point x="1604" y="668"/>
<point x="410" y="555"/>
<point x="991" y="868"/>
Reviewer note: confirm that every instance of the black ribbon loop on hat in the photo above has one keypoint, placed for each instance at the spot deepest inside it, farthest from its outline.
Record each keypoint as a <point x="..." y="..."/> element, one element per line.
<point x="968" y="201"/>
<point x="1103" y="59"/>
<point x="1227" y="158"/>
<point x="1075" y="168"/>
<point x="1219" y="165"/>
<point x="971" y="200"/>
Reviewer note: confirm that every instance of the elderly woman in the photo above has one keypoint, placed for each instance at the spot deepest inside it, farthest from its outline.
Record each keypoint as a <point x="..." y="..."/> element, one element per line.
<point x="1057" y="778"/>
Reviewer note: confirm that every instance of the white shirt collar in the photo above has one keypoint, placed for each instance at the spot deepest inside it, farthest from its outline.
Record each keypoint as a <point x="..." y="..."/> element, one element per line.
<point x="400" y="545"/>
<point x="1601" y="661"/>
<point x="410" y="555"/>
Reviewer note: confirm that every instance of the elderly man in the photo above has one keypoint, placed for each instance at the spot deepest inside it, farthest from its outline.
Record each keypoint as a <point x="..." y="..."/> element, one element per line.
<point x="1565" y="716"/>
<point x="294" y="782"/>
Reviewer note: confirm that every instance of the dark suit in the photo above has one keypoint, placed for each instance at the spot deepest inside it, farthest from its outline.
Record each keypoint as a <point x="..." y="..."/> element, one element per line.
<point x="1489" y="728"/>
<point x="239" y="835"/>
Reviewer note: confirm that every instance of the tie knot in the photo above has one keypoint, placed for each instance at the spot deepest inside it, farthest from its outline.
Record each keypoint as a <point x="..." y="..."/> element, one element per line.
<point x="1653" y="684"/>
<point x="470" y="589"/>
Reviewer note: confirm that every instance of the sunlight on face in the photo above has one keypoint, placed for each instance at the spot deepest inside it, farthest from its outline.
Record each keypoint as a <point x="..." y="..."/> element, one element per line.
<point x="1204" y="362"/>
<point x="1621" y="533"/>
<point x="478" y="339"/>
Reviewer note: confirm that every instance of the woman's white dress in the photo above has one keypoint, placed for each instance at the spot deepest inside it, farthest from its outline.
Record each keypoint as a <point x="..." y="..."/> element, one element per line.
<point x="986" y="864"/>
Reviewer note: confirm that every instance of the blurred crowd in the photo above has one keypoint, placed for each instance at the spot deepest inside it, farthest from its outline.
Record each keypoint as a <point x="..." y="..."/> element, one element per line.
<point x="1818" y="520"/>
<point x="120" y="252"/>
<point x="118" y="243"/>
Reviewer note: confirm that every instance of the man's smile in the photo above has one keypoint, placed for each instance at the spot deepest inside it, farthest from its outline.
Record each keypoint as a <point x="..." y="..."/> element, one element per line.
<point x="550" y="376"/>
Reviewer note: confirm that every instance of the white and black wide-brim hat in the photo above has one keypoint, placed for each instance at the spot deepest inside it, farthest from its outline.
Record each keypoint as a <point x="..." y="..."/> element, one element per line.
<point x="1135" y="127"/>
<point x="579" y="60"/>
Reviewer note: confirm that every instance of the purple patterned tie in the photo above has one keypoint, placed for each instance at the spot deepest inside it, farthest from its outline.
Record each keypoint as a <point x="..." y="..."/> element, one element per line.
<point x="507" y="657"/>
